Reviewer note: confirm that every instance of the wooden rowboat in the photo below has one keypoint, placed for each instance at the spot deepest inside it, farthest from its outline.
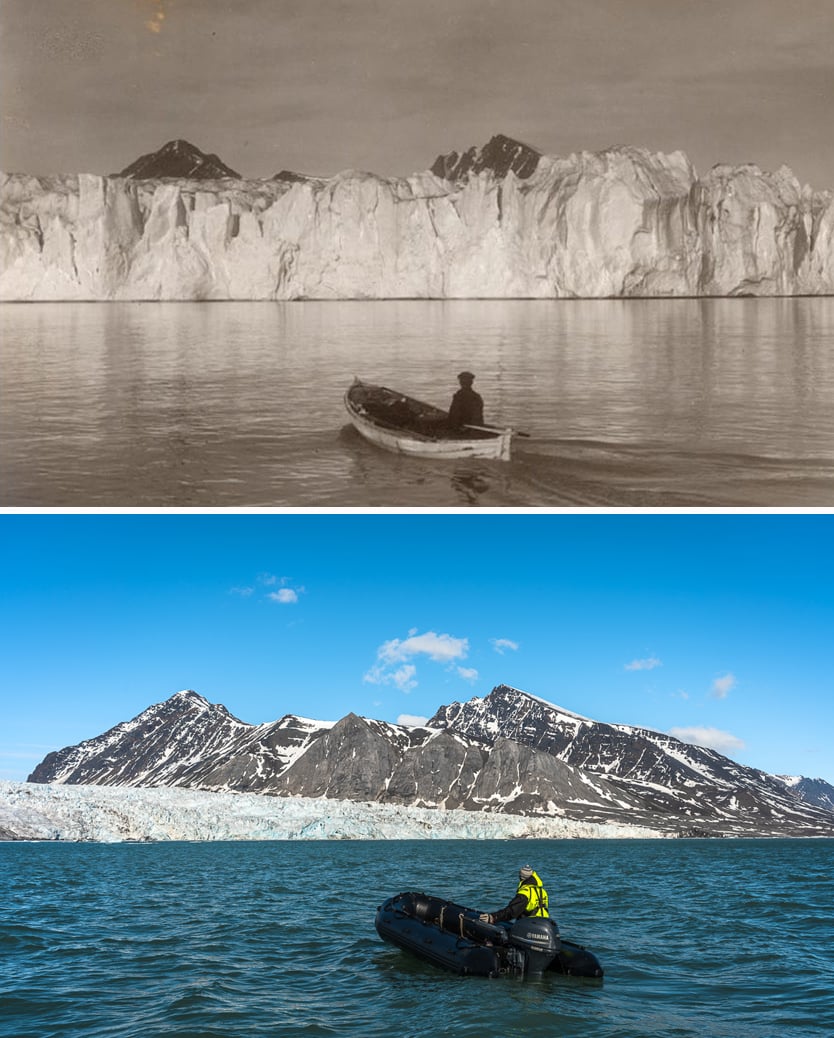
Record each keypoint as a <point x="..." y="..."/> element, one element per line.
<point x="404" y="425"/>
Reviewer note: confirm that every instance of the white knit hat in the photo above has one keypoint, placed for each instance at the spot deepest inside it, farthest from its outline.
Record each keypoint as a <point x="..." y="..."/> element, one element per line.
<point x="525" y="872"/>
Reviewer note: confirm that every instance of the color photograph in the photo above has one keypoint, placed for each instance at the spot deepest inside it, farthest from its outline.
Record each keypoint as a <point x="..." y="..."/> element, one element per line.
<point x="557" y="755"/>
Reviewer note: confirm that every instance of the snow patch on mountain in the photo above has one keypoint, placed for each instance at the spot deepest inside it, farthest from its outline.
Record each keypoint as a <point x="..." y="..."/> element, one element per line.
<point x="569" y="715"/>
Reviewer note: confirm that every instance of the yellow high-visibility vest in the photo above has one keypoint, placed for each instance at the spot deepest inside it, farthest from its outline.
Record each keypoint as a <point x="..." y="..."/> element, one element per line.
<point x="536" y="896"/>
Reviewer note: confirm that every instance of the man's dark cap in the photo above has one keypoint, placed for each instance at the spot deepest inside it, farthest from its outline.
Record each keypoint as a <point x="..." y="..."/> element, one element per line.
<point x="466" y="376"/>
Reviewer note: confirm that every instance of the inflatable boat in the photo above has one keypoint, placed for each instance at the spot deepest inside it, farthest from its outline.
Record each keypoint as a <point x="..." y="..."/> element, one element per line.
<point x="453" y="937"/>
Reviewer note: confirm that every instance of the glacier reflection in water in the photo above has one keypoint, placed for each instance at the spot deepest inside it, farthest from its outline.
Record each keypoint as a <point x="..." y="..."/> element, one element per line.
<point x="724" y="402"/>
<point x="699" y="939"/>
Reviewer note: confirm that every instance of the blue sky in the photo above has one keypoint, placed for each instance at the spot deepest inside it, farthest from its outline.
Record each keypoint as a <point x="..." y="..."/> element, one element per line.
<point x="387" y="85"/>
<point x="714" y="627"/>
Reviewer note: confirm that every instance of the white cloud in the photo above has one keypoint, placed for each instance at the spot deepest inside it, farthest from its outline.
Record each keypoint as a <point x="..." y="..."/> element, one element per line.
<point x="439" y="648"/>
<point x="442" y="648"/>
<point x="646" y="664"/>
<point x="468" y="673"/>
<point x="412" y="720"/>
<point x="502" y="644"/>
<point x="403" y="677"/>
<point x="722" y="687"/>
<point x="712" y="738"/>
<point x="285" y="595"/>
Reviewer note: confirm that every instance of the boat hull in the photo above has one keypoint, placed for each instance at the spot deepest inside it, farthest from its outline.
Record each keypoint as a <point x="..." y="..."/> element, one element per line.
<point x="453" y="938"/>
<point x="403" y="425"/>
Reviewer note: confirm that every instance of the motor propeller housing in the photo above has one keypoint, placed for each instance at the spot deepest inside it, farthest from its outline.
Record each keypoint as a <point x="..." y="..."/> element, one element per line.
<point x="539" y="939"/>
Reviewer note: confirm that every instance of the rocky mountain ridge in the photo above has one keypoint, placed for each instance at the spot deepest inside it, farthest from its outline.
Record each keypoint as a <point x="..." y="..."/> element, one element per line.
<point x="509" y="753"/>
<point x="500" y="156"/>
<point x="501" y="221"/>
<point x="181" y="160"/>
<point x="810" y="791"/>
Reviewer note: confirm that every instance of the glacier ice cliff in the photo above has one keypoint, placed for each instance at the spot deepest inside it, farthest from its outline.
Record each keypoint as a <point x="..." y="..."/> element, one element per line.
<point x="624" y="222"/>
<point x="109" y="814"/>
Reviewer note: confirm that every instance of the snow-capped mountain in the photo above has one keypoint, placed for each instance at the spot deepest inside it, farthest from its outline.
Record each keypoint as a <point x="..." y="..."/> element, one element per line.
<point x="500" y="221"/>
<point x="178" y="159"/>
<point x="811" y="791"/>
<point x="507" y="753"/>
<point x="185" y="741"/>
<point x="670" y="777"/>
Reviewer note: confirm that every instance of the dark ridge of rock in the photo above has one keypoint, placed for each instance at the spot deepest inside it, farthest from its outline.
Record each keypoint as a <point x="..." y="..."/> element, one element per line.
<point x="287" y="176"/>
<point x="178" y="159"/>
<point x="501" y="155"/>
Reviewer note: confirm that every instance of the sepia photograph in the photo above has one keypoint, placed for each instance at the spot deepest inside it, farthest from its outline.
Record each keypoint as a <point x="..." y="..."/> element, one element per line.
<point x="354" y="253"/>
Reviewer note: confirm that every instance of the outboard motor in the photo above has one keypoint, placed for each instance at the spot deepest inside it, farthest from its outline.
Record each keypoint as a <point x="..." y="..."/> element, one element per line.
<point x="539" y="939"/>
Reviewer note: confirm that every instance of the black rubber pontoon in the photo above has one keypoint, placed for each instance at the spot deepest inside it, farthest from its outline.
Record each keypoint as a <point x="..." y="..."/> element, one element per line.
<point x="453" y="937"/>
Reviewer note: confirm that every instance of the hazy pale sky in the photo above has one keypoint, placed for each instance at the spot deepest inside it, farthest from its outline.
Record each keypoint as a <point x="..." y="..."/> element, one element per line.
<point x="318" y="86"/>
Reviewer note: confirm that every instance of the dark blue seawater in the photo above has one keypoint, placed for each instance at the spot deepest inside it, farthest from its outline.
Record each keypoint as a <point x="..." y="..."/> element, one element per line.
<point x="708" y="939"/>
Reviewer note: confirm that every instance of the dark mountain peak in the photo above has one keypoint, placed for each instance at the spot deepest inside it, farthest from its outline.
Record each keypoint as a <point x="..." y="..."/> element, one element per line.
<point x="187" y="703"/>
<point x="520" y="697"/>
<point x="501" y="155"/>
<point x="351" y="761"/>
<point x="289" y="177"/>
<point x="814" y="791"/>
<point x="143" y="751"/>
<point x="351" y="719"/>
<point x="518" y="715"/>
<point x="181" y="159"/>
<point x="189" y="697"/>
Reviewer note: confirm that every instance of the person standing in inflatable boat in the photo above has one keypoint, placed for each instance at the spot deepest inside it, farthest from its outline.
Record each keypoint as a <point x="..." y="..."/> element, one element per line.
<point x="530" y="899"/>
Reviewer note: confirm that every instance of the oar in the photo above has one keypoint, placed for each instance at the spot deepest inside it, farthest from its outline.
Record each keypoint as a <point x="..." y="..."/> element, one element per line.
<point x="497" y="428"/>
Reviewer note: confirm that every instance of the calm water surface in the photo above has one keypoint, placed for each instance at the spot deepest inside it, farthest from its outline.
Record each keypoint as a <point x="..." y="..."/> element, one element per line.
<point x="699" y="939"/>
<point x="628" y="403"/>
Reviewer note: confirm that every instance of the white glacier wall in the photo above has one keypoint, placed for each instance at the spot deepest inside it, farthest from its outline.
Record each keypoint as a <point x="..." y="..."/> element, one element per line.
<point x="624" y="222"/>
<point x="107" y="814"/>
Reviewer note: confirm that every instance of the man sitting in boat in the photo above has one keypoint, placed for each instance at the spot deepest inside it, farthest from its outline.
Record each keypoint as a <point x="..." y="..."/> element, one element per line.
<point x="530" y="899"/>
<point x="467" y="406"/>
